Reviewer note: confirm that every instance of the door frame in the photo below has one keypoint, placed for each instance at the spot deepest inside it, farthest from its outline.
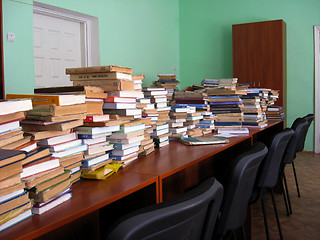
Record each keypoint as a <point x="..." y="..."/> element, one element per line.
<point x="2" y="94"/>
<point x="317" y="88"/>
<point x="89" y="29"/>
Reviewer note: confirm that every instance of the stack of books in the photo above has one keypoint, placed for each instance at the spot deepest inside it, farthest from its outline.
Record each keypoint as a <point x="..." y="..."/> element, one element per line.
<point x="15" y="204"/>
<point x="123" y="104"/>
<point x="147" y="144"/>
<point x="210" y="83"/>
<point x="193" y="119"/>
<point x="207" y="124"/>
<point x="127" y="141"/>
<point x="254" y="108"/>
<point x="275" y="113"/>
<point x="137" y="81"/>
<point x="227" y="105"/>
<point x="11" y="113"/>
<point x="109" y="78"/>
<point x="169" y="82"/>
<point x="178" y="118"/>
<point x="54" y="117"/>
<point x="158" y="96"/>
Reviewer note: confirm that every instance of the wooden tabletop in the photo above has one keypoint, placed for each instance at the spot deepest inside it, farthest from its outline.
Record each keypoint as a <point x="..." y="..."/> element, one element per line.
<point x="88" y="196"/>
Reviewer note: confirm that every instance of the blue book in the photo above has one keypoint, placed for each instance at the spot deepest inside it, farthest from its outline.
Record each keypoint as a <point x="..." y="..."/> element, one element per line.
<point x="224" y="96"/>
<point x="167" y="80"/>
<point x="206" y="122"/>
<point x="223" y="103"/>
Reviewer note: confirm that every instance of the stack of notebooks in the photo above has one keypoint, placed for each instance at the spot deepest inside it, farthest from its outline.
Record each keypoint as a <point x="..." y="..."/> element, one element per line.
<point x="169" y="82"/>
<point x="51" y="122"/>
<point x="11" y="113"/>
<point x="109" y="78"/>
<point x="127" y="141"/>
<point x="227" y="105"/>
<point x="15" y="204"/>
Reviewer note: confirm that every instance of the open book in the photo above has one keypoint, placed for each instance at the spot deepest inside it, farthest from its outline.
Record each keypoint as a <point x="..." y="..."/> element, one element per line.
<point x="203" y="140"/>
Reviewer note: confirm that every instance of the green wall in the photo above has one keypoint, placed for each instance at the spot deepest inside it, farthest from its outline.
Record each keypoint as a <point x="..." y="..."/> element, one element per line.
<point x="206" y="44"/>
<point x="141" y="34"/>
<point x="154" y="36"/>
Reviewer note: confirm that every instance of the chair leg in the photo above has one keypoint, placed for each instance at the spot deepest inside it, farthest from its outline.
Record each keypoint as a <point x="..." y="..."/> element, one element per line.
<point x="276" y="213"/>
<point x="285" y="198"/>
<point x="295" y="178"/>
<point x="265" y="219"/>
<point x="287" y="191"/>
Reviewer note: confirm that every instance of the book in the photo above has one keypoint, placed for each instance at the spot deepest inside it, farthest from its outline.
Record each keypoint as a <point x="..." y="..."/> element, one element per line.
<point x="132" y="128"/>
<point x="125" y="151"/>
<point x="126" y="140"/>
<point x="65" y="145"/>
<point x="133" y="94"/>
<point x="35" y="179"/>
<point x="70" y="151"/>
<point x="99" y="148"/>
<point x="13" y="105"/>
<point x="39" y="166"/>
<point x="35" y="126"/>
<point x="203" y="140"/>
<point x="46" y="134"/>
<point x="10" y="156"/>
<point x="100" y="76"/>
<point x="51" y="192"/>
<point x="120" y="100"/>
<point x="54" y="110"/>
<point x="15" y="202"/>
<point x="37" y="153"/>
<point x="51" y="182"/>
<point x="68" y="89"/>
<point x="5" y="127"/>
<point x="71" y="159"/>
<point x="58" y="139"/>
<point x="99" y="69"/>
<point x="9" y="184"/>
<point x="40" y="209"/>
<point x="233" y="130"/>
<point x="95" y="160"/>
<point x="108" y="84"/>
<point x="59" y="100"/>
<point x="111" y="105"/>
<point x="10" y="170"/>
<point x="123" y="112"/>
<point x="97" y="118"/>
<point x="48" y="118"/>
<point x="16" y="116"/>
<point x="102" y="124"/>
<point x="17" y="218"/>
<point x="97" y="130"/>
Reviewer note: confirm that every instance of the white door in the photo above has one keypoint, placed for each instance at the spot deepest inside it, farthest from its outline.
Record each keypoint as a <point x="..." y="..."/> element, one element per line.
<point x="57" y="45"/>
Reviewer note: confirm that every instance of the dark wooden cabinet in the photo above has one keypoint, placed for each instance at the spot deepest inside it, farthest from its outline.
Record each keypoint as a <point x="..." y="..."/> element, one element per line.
<point x="259" y="55"/>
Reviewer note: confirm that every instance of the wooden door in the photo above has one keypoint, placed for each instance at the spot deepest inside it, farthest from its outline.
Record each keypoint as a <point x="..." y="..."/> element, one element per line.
<point x="259" y="55"/>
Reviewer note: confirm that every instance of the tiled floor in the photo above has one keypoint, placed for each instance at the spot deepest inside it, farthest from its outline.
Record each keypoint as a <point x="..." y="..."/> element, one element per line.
<point x="304" y="223"/>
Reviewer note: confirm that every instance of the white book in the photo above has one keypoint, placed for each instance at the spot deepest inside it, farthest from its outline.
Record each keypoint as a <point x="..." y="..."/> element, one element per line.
<point x="121" y="146"/>
<point x="163" y="109"/>
<point x="11" y="195"/>
<point x="161" y="105"/>
<point x="175" y="124"/>
<point x="163" y="126"/>
<point x="65" y="145"/>
<point x="94" y="140"/>
<point x="133" y="128"/>
<point x="194" y="118"/>
<point x="70" y="151"/>
<point x="51" y="204"/>
<point x="144" y="100"/>
<point x="95" y="160"/>
<point x="160" y="132"/>
<point x="98" y="149"/>
<point x="178" y="130"/>
<point x="177" y="120"/>
<point x="58" y="139"/>
<point x="126" y="141"/>
<point x="125" y="151"/>
<point x="97" y="130"/>
<point x="134" y="94"/>
<point x="156" y="93"/>
<point x="15" y="105"/>
<point x="29" y="170"/>
<point x="6" y="127"/>
<point x="119" y="105"/>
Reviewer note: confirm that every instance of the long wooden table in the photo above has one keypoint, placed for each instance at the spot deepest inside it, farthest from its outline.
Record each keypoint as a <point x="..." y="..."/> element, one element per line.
<point x="160" y="176"/>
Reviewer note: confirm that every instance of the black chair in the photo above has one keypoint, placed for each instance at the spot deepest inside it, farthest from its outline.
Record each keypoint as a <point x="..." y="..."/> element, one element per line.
<point x="189" y="216"/>
<point x="301" y="127"/>
<point x="268" y="174"/>
<point x="300" y="146"/>
<point x="238" y="189"/>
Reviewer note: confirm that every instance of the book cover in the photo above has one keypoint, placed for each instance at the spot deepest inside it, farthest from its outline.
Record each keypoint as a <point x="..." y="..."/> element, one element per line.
<point x="59" y="100"/>
<point x="10" y="156"/>
<point x="203" y="140"/>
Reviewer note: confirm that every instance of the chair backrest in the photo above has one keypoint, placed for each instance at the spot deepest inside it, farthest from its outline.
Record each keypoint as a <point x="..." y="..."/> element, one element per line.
<point x="269" y="169"/>
<point x="300" y="131"/>
<point x="238" y="189"/>
<point x="189" y="216"/>
<point x="309" y="118"/>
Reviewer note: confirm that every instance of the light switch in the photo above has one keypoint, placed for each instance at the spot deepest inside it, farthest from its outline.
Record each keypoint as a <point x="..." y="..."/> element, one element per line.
<point x="11" y="37"/>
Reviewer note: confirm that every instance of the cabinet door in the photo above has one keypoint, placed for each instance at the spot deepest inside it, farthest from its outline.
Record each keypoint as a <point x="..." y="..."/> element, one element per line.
<point x="259" y="55"/>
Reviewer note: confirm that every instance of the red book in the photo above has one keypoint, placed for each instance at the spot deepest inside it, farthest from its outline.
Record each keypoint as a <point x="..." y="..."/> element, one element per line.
<point x="119" y="100"/>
